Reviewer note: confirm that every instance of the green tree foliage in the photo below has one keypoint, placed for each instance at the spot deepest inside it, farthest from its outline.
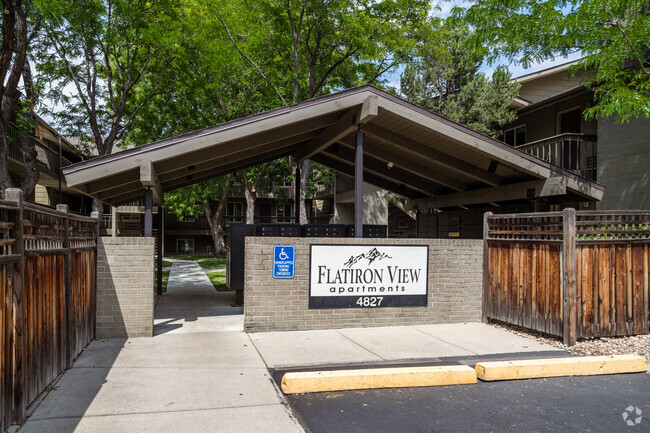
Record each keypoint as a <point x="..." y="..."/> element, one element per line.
<point x="444" y="79"/>
<point x="302" y="49"/>
<point x="306" y="48"/>
<point x="102" y="61"/>
<point x="613" y="36"/>
<point x="20" y="22"/>
<point x="207" y="199"/>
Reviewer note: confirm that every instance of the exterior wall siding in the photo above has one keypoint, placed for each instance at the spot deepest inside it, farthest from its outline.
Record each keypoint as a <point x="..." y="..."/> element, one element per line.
<point x="542" y="123"/>
<point x="623" y="165"/>
<point x="454" y="292"/>
<point x="125" y="287"/>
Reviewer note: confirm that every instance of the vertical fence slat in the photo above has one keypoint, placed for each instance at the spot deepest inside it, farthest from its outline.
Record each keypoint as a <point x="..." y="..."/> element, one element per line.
<point x="620" y="289"/>
<point x="646" y="286"/>
<point x="637" y="279"/>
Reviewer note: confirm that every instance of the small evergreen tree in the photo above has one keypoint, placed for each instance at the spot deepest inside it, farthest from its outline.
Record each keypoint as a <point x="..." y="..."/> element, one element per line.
<point x="444" y="79"/>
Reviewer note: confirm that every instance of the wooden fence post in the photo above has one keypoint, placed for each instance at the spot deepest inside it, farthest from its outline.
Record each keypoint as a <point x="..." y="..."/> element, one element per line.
<point x="19" y="373"/>
<point x="569" y="278"/>
<point x="69" y="308"/>
<point x="486" y="271"/>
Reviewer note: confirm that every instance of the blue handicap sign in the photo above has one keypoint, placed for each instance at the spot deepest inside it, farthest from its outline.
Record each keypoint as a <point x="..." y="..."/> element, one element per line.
<point x="284" y="259"/>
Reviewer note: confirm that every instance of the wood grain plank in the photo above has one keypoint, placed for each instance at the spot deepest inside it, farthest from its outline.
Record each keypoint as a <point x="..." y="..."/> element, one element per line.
<point x="621" y="288"/>
<point x="637" y="288"/>
<point x="603" y="287"/>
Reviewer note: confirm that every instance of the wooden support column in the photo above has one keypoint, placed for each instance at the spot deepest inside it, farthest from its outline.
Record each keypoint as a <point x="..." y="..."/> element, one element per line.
<point x="358" y="186"/>
<point x="67" y="281"/>
<point x="486" y="268"/>
<point x="148" y="213"/>
<point x="159" y="253"/>
<point x="17" y="371"/>
<point x="569" y="281"/>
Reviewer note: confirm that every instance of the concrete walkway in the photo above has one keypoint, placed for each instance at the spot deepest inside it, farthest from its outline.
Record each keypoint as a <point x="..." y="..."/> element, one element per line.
<point x="192" y="305"/>
<point x="201" y="373"/>
<point x="195" y="375"/>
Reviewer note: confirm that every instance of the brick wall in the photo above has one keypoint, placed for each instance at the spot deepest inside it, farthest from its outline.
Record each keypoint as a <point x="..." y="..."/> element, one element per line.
<point x="623" y="164"/>
<point x="455" y="287"/>
<point x="125" y="289"/>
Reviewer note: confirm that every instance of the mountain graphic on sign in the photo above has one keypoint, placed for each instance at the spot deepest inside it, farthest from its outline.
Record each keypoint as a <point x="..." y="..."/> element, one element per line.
<point x="371" y="256"/>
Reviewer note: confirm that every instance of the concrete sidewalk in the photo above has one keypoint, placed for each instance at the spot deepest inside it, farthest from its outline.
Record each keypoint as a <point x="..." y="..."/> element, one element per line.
<point x="389" y="344"/>
<point x="201" y="373"/>
<point x="194" y="375"/>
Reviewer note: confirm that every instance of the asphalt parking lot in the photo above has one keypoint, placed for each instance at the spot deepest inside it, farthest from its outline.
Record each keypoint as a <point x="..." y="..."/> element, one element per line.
<point x="575" y="404"/>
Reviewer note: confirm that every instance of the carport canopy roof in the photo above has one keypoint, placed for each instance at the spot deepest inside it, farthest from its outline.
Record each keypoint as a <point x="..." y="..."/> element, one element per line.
<point x="407" y="150"/>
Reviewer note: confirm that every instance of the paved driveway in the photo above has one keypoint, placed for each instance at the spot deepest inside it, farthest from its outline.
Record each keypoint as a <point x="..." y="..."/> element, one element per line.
<point x="561" y="404"/>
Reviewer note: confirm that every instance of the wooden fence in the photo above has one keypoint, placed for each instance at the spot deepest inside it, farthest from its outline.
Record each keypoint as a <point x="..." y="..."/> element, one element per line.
<point x="571" y="274"/>
<point x="47" y="298"/>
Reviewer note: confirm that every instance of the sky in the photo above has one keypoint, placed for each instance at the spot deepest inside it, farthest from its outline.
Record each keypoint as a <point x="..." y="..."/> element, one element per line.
<point x="445" y="7"/>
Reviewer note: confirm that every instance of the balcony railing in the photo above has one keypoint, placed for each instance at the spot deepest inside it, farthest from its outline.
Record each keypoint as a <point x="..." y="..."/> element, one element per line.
<point x="47" y="158"/>
<point x="575" y="152"/>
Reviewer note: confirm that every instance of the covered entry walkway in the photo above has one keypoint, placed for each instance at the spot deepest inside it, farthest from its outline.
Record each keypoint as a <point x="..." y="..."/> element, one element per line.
<point x="363" y="132"/>
<point x="192" y="304"/>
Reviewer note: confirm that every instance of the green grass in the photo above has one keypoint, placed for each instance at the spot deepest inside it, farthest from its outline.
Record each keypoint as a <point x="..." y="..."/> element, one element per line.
<point x="165" y="279"/>
<point x="206" y="261"/>
<point x="167" y="264"/>
<point x="219" y="281"/>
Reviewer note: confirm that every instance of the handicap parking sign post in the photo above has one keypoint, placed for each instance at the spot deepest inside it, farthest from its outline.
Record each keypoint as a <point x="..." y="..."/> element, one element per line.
<point x="284" y="258"/>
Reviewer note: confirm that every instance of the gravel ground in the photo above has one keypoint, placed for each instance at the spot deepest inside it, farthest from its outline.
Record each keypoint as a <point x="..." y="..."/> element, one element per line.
<point x="638" y="345"/>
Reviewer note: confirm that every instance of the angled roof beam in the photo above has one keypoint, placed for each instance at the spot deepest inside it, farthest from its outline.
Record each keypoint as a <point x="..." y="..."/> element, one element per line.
<point x="233" y="154"/>
<point x="380" y="169"/>
<point x="109" y="194"/>
<point x="97" y="186"/>
<point x="411" y="165"/>
<point x="287" y="134"/>
<point x="436" y="157"/>
<point x="345" y="125"/>
<point x="149" y="180"/>
<point x="335" y="164"/>
<point x="542" y="188"/>
<point x="223" y="170"/>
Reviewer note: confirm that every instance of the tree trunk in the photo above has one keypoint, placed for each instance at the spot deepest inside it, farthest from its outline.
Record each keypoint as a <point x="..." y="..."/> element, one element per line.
<point x="12" y="60"/>
<point x="27" y="146"/>
<point x="5" y="178"/>
<point x="304" y="175"/>
<point x="215" y="211"/>
<point x="250" y="205"/>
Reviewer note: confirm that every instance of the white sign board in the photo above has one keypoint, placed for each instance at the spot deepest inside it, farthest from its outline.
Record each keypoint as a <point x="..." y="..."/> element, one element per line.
<point x="367" y="276"/>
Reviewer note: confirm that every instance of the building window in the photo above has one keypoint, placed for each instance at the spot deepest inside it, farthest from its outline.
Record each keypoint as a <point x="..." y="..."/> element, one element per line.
<point x="283" y="213"/>
<point x="107" y="220"/>
<point x="284" y="183"/>
<point x="516" y="136"/>
<point x="235" y="212"/>
<point x="185" y="246"/>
